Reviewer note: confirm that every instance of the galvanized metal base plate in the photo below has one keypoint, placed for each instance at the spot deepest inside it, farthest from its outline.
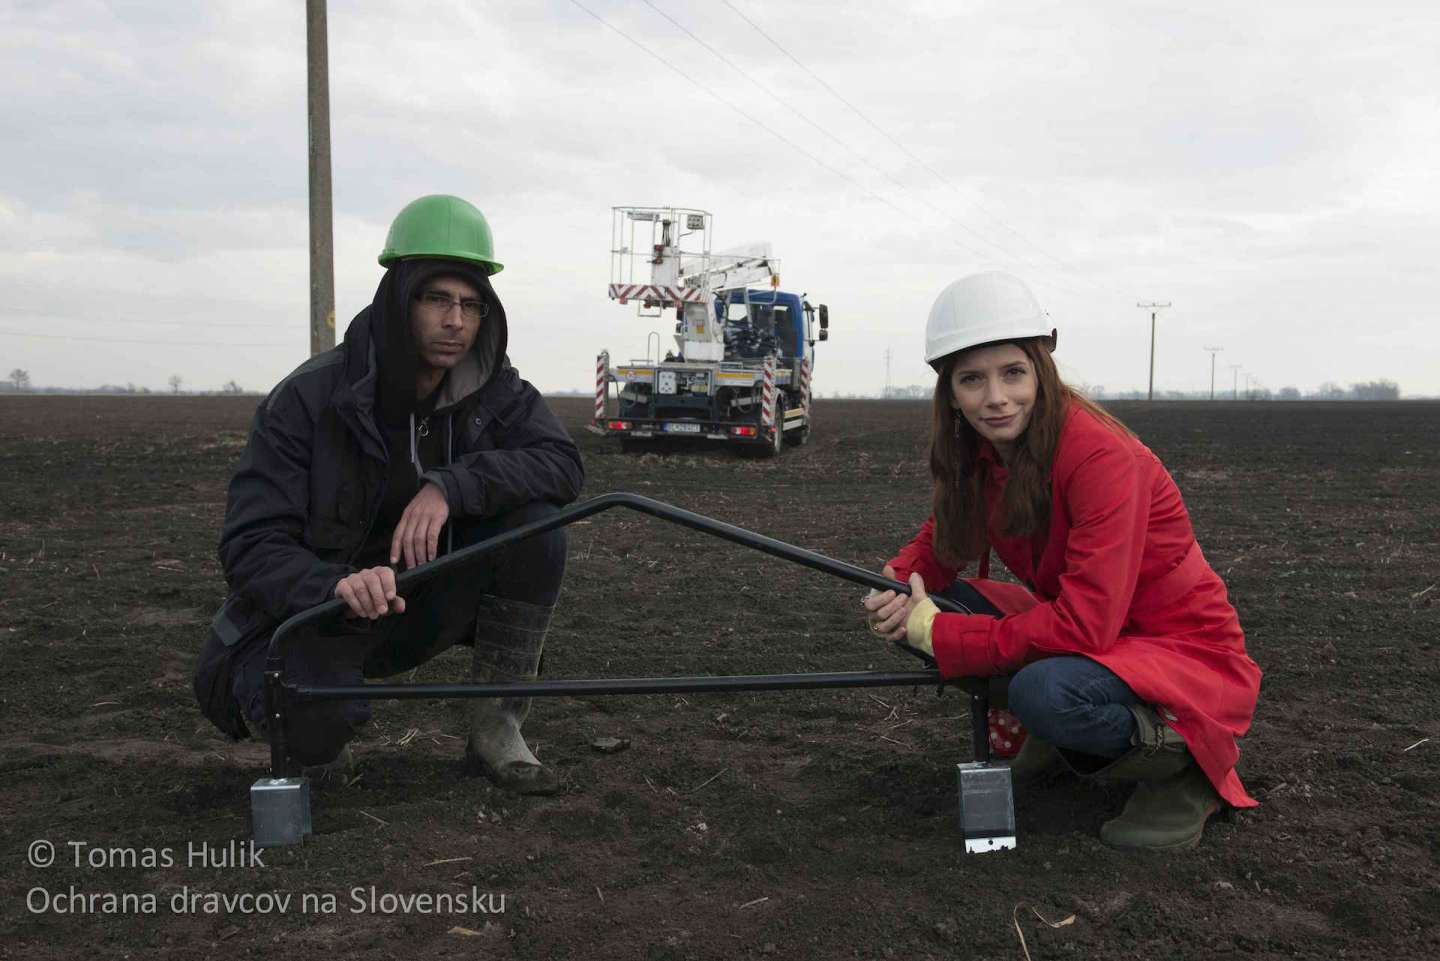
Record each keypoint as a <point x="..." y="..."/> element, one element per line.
<point x="987" y="806"/>
<point x="280" y="811"/>
<point x="982" y="845"/>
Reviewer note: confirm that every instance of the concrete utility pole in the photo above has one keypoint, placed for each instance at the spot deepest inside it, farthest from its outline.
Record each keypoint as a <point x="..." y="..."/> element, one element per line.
<point x="1154" y="309"/>
<point x="1213" y="352"/>
<point x="322" y="234"/>
<point x="1235" y="388"/>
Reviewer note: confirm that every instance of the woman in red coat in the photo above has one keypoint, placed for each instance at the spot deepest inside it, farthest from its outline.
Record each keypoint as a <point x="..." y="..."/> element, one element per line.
<point x="1128" y="660"/>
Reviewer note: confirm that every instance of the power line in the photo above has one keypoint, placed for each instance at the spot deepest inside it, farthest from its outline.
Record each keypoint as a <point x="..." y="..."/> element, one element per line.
<point x="886" y="134"/>
<point x="112" y="321"/>
<point x="1092" y="289"/>
<point x="801" y="150"/>
<point x="722" y="100"/>
<point x="786" y="140"/>
<point x="842" y="144"/>
<point x="760" y="123"/>
<point x="85" y="339"/>
<point x="833" y="92"/>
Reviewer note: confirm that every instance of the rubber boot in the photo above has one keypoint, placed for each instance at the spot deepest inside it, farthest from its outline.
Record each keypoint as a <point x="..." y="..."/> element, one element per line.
<point x="509" y="636"/>
<point x="1157" y="751"/>
<point x="342" y="764"/>
<point x="1172" y="799"/>
<point x="1037" y="762"/>
<point x="1165" y="815"/>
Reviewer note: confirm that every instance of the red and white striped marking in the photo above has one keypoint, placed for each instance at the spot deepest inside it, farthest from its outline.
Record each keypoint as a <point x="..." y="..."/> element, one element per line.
<point x="805" y="388"/>
<point x="602" y="364"/>
<point x="656" y="292"/>
<point x="767" y="397"/>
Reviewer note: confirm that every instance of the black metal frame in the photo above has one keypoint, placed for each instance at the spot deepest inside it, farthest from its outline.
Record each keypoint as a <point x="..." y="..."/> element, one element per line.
<point x="279" y="694"/>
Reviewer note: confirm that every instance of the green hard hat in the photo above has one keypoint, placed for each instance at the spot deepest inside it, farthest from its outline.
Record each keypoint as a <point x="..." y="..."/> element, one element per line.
<point x="441" y="226"/>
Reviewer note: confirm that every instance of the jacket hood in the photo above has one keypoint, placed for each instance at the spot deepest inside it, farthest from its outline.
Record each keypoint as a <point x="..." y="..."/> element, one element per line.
<point x="381" y="342"/>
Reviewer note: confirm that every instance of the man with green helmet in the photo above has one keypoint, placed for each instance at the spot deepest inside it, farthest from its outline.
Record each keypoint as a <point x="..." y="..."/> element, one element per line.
<point x="412" y="437"/>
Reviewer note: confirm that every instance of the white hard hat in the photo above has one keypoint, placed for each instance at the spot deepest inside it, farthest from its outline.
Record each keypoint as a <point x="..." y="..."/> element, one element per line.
<point x="981" y="309"/>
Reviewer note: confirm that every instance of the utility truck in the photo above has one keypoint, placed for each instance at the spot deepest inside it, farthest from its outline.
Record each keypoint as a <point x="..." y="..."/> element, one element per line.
<point x="740" y="368"/>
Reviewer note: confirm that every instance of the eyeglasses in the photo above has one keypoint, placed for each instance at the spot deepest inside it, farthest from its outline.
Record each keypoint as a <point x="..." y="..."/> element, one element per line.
<point x="439" y="303"/>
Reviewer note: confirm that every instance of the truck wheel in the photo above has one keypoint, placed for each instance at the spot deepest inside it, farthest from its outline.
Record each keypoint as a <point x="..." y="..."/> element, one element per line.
<point x="798" y="437"/>
<point x="773" y="449"/>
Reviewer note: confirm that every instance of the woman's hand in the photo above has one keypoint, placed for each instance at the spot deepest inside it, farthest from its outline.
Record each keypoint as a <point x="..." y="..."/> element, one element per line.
<point x="887" y="611"/>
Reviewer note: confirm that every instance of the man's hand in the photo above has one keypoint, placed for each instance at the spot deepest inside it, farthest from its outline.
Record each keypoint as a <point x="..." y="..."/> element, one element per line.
<point x="370" y="593"/>
<point x="417" y="536"/>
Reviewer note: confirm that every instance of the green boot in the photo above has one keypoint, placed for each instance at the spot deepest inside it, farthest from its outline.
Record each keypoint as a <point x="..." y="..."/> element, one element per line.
<point x="1172" y="799"/>
<point x="341" y="765"/>
<point x="1156" y="751"/>
<point x="1164" y="815"/>
<point x="509" y="636"/>
<point x="1037" y="762"/>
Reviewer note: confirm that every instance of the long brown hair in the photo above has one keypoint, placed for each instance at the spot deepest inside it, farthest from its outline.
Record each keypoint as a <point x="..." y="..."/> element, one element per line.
<point x="959" y="474"/>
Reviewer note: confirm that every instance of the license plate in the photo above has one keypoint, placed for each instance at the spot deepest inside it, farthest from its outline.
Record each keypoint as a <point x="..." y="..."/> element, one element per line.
<point x="682" y="428"/>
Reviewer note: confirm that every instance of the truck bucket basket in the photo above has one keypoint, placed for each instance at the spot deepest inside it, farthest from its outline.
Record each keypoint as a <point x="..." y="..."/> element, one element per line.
<point x="280" y="803"/>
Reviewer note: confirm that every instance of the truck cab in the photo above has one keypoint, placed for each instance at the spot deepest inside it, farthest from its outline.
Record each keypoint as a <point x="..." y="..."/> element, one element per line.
<point x="759" y="322"/>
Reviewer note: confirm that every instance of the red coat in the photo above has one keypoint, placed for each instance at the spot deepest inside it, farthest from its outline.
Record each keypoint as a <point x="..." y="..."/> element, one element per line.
<point x="1119" y="579"/>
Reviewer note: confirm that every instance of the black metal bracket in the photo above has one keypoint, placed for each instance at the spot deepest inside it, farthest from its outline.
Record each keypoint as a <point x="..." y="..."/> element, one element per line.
<point x="278" y="693"/>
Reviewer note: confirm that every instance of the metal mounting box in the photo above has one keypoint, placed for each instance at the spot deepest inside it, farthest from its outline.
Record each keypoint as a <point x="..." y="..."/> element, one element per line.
<point x="280" y="811"/>
<point x="987" y="806"/>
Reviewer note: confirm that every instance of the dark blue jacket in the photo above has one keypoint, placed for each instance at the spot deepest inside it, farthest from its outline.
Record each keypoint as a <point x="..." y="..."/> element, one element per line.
<point x="310" y="483"/>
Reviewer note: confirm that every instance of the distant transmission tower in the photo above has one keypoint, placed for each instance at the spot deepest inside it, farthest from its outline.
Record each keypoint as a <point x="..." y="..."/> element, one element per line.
<point x="1213" y="352"/>
<point x="1235" y="388"/>
<point x="887" y="373"/>
<point x="1154" y="309"/>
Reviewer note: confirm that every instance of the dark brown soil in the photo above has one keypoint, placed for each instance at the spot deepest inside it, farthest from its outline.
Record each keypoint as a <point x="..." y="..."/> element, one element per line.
<point x="817" y="825"/>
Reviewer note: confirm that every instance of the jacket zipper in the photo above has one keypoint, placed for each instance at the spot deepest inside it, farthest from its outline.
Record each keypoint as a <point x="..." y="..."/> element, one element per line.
<point x="449" y="459"/>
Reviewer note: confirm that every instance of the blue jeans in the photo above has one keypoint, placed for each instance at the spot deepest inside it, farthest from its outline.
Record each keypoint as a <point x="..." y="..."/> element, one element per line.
<point x="1075" y="704"/>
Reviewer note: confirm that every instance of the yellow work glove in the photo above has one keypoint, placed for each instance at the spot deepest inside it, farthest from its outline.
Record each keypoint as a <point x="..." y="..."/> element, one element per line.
<point x="918" y="624"/>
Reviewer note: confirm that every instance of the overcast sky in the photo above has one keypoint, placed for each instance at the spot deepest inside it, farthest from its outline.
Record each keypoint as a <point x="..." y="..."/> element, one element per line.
<point x="1269" y="168"/>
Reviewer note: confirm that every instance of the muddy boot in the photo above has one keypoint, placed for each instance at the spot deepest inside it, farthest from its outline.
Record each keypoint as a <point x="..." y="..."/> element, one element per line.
<point x="1172" y="799"/>
<point x="509" y="636"/>
<point x="1037" y="762"/>
<point x="338" y="768"/>
<point x="1165" y="815"/>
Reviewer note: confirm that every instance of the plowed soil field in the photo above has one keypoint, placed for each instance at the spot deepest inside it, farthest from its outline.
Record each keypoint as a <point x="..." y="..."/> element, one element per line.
<point x="810" y="825"/>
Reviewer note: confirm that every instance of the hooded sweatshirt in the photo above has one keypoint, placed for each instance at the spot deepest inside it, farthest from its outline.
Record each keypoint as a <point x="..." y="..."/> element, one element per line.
<point x="415" y="429"/>
<point x="305" y="503"/>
